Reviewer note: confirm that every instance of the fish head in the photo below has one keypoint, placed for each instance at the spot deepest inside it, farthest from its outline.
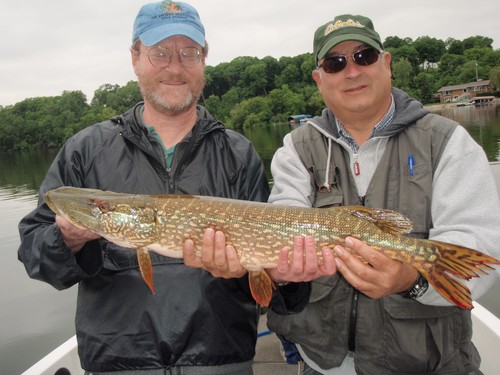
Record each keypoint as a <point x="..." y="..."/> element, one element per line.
<point x="124" y="219"/>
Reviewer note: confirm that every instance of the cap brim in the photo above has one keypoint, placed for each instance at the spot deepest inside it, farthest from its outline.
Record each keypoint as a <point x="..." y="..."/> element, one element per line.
<point x="343" y="38"/>
<point x="154" y="36"/>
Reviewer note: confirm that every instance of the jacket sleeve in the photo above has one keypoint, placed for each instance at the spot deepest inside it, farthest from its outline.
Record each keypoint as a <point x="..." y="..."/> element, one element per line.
<point x="465" y="207"/>
<point x="291" y="179"/>
<point x="290" y="298"/>
<point x="42" y="250"/>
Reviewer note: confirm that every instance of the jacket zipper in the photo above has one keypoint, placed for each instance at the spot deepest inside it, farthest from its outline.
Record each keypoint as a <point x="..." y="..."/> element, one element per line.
<point x="351" y="338"/>
<point x="351" y="341"/>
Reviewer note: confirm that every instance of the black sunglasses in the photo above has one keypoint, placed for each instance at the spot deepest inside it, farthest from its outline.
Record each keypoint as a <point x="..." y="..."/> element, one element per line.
<point x="337" y="63"/>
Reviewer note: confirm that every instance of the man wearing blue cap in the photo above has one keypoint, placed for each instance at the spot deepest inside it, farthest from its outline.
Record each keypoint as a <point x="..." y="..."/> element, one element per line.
<point x="195" y="323"/>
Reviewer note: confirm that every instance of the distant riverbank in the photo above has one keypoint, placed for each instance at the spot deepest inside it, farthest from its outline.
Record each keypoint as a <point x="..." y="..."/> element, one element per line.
<point x="438" y="106"/>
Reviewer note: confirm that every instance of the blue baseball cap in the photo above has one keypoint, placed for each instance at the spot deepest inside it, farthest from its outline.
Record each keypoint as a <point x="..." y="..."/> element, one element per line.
<point x="158" y="21"/>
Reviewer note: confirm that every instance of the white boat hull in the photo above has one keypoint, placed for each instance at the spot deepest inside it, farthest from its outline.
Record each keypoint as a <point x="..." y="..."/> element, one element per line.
<point x="486" y="337"/>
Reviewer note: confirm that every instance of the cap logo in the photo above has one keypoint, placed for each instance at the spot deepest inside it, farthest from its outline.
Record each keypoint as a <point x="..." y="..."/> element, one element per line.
<point x="171" y="7"/>
<point x="340" y="24"/>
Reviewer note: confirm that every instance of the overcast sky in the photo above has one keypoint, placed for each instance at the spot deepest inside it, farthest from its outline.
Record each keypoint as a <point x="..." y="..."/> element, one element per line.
<point x="56" y="45"/>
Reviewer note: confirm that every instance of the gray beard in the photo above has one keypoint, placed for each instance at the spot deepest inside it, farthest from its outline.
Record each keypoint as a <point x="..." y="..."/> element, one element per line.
<point x="161" y="105"/>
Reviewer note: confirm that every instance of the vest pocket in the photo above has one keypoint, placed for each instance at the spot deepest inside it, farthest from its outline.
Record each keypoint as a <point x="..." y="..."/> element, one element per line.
<point x="421" y="339"/>
<point x="321" y="327"/>
<point x="325" y="194"/>
<point x="322" y="287"/>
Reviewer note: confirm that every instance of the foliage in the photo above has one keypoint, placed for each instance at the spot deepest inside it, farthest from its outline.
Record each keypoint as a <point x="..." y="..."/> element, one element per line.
<point x="495" y="76"/>
<point x="249" y="91"/>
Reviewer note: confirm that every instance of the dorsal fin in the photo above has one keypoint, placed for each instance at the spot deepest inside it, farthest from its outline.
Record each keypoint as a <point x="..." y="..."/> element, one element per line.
<point x="387" y="220"/>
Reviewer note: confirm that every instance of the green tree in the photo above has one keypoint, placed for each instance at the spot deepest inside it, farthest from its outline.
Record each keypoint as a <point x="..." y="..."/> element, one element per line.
<point x="101" y="94"/>
<point x="467" y="72"/>
<point x="402" y="73"/>
<point x="396" y="42"/>
<point x="307" y="68"/>
<point x="214" y="106"/>
<point x="285" y="102"/>
<point x="250" y="112"/>
<point x="477" y="42"/>
<point x="424" y="83"/>
<point x="448" y="69"/>
<point x="408" y="53"/>
<point x="429" y="49"/>
<point x="272" y="71"/>
<point x="455" y="47"/>
<point x="290" y="75"/>
<point x="125" y="97"/>
<point x="254" y="80"/>
<point x="495" y="76"/>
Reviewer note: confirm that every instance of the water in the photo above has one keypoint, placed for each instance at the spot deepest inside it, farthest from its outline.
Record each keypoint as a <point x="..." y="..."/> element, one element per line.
<point x="35" y="318"/>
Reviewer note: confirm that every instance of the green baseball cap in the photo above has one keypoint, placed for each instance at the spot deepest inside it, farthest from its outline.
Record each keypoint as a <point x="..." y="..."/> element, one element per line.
<point x="342" y="28"/>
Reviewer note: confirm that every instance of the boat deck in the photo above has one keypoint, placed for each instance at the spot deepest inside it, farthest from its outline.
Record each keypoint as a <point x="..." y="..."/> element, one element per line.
<point x="268" y="358"/>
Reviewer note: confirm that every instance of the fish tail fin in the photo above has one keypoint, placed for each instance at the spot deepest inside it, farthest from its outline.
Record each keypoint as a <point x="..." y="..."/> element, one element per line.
<point x="146" y="267"/>
<point x="261" y="287"/>
<point x="464" y="262"/>
<point x="450" y="288"/>
<point x="461" y="262"/>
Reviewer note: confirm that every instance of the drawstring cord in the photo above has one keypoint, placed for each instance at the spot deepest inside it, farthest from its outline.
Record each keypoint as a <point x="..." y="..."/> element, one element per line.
<point x="326" y="185"/>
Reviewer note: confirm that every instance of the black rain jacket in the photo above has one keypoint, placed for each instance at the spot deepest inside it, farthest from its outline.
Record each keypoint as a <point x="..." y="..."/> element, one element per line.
<point x="194" y="318"/>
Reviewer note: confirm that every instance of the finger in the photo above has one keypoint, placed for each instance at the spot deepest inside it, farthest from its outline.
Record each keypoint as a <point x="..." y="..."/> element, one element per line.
<point x="279" y="274"/>
<point x="329" y="267"/>
<point x="234" y="265"/>
<point x="297" y="266"/>
<point x="219" y="255"/>
<point x="189" y="255"/>
<point x="311" y="258"/>
<point x="375" y="258"/>
<point x="73" y="237"/>
<point x="283" y="265"/>
<point x="207" y="247"/>
<point x="354" y="271"/>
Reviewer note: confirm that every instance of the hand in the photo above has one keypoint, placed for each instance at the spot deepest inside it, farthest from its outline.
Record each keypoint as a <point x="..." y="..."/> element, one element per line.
<point x="219" y="259"/>
<point x="380" y="277"/>
<point x="304" y="263"/>
<point x="74" y="237"/>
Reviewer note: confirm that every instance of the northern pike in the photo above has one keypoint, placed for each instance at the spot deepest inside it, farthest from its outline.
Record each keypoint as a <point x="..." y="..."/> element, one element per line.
<point x="258" y="231"/>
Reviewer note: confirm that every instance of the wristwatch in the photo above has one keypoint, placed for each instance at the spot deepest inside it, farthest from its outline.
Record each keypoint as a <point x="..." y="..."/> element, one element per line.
<point x="417" y="290"/>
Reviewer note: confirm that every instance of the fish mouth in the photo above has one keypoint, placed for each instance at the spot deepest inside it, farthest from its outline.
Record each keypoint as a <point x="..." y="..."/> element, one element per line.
<point x="82" y="207"/>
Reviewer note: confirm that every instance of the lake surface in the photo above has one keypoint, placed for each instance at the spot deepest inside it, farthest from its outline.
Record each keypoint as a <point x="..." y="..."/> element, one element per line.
<point x="35" y="318"/>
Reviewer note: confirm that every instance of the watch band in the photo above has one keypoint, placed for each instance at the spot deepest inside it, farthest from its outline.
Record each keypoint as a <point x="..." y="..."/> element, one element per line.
<point x="417" y="290"/>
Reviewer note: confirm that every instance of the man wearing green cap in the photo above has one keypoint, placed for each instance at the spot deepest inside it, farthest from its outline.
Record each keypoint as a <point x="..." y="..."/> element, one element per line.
<point x="196" y="323"/>
<point x="375" y="146"/>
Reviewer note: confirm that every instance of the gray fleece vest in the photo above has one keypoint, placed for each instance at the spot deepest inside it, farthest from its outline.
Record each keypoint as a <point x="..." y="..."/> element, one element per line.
<point x="391" y="335"/>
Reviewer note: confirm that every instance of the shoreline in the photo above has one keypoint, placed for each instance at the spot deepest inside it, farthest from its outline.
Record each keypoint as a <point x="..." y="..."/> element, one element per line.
<point x="438" y="106"/>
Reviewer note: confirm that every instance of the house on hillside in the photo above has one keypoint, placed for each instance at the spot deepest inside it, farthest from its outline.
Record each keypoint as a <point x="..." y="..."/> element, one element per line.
<point x="464" y="91"/>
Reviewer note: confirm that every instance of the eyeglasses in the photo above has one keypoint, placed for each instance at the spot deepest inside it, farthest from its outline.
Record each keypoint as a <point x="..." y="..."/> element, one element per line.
<point x="160" y="56"/>
<point x="337" y="63"/>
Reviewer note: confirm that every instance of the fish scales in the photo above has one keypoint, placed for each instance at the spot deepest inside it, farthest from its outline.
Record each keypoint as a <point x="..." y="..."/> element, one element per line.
<point x="258" y="231"/>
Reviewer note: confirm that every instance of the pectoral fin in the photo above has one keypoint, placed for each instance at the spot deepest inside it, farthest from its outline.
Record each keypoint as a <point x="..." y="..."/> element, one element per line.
<point x="261" y="287"/>
<point x="146" y="267"/>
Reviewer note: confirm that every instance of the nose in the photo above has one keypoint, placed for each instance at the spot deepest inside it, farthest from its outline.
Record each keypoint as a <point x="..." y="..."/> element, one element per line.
<point x="352" y="70"/>
<point x="175" y="62"/>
